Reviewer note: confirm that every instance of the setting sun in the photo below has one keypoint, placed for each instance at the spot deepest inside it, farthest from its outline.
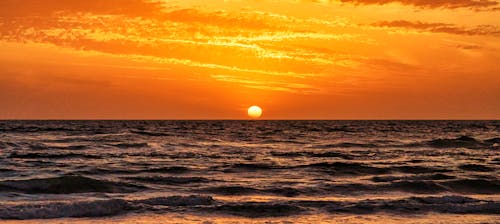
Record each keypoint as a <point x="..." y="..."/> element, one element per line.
<point x="255" y="112"/>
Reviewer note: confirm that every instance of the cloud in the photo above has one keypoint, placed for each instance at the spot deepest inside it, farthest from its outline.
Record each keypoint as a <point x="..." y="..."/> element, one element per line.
<point x="242" y="41"/>
<point x="20" y="8"/>
<point x="248" y="46"/>
<point x="268" y="85"/>
<point x="486" y="30"/>
<point x="469" y="46"/>
<point x="449" y="4"/>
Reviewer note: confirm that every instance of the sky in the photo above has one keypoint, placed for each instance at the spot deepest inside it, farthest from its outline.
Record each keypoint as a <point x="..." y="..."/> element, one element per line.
<point x="212" y="59"/>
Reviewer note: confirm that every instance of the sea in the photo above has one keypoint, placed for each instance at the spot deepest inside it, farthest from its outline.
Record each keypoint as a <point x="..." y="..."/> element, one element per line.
<point x="252" y="171"/>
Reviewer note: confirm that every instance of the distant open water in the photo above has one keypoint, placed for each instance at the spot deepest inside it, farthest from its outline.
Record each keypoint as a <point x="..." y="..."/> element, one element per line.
<point x="53" y="169"/>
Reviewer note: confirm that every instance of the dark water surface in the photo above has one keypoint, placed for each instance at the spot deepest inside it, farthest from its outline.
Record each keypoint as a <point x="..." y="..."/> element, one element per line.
<point x="54" y="169"/>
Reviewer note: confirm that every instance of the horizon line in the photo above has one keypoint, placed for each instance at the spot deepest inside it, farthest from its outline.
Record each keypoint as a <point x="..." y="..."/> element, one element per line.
<point x="482" y="119"/>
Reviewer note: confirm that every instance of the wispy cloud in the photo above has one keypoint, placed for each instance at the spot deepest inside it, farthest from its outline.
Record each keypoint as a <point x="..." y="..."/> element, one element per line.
<point x="35" y="8"/>
<point x="440" y="27"/>
<point x="448" y="4"/>
<point x="245" y="41"/>
<point x="268" y="85"/>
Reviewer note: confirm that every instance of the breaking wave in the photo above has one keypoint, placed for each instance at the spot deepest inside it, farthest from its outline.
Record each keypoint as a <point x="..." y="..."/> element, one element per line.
<point x="96" y="208"/>
<point x="108" y="207"/>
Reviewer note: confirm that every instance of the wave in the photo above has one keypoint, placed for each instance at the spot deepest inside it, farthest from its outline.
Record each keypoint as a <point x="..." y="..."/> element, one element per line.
<point x="28" y="129"/>
<point x="243" y="167"/>
<point x="169" y="169"/>
<point x="464" y="142"/>
<point x="284" y="191"/>
<point x="459" y="142"/>
<point x="258" y="209"/>
<point x="335" y="168"/>
<point x="52" y="155"/>
<point x="270" y="141"/>
<point x="173" y="180"/>
<point x="332" y="154"/>
<point x="290" y="154"/>
<point x="345" y="145"/>
<point x="438" y="176"/>
<point x="474" y="186"/>
<point x="191" y="200"/>
<point x="231" y="190"/>
<point x="38" y="146"/>
<point x="329" y="154"/>
<point x="476" y="168"/>
<point x="68" y="147"/>
<point x="130" y="145"/>
<point x="418" y="169"/>
<point x="350" y="168"/>
<point x="243" y="190"/>
<point x="74" y="147"/>
<point x="96" y="208"/>
<point x="201" y="203"/>
<point x="6" y="170"/>
<point x="189" y="155"/>
<point x="414" y="205"/>
<point x="65" y="185"/>
<point x="4" y="145"/>
<point x="463" y="186"/>
<point x="416" y="187"/>
<point x="493" y="140"/>
<point x="419" y="205"/>
<point x="149" y="133"/>
<point x="42" y="146"/>
<point x="343" y="168"/>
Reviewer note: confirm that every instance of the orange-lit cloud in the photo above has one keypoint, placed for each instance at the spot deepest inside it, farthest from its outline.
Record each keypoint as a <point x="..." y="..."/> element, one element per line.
<point x="173" y="59"/>
<point x="441" y="27"/>
<point x="34" y="8"/>
<point x="452" y="4"/>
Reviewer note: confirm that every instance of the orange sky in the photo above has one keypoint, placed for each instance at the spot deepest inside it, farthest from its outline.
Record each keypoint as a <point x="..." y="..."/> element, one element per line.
<point x="212" y="59"/>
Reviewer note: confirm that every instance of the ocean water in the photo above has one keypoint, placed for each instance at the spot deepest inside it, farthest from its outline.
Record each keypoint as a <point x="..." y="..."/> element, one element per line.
<point x="246" y="171"/>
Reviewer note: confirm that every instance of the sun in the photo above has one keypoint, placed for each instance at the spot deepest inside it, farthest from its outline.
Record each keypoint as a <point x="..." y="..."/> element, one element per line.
<point x="254" y="111"/>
